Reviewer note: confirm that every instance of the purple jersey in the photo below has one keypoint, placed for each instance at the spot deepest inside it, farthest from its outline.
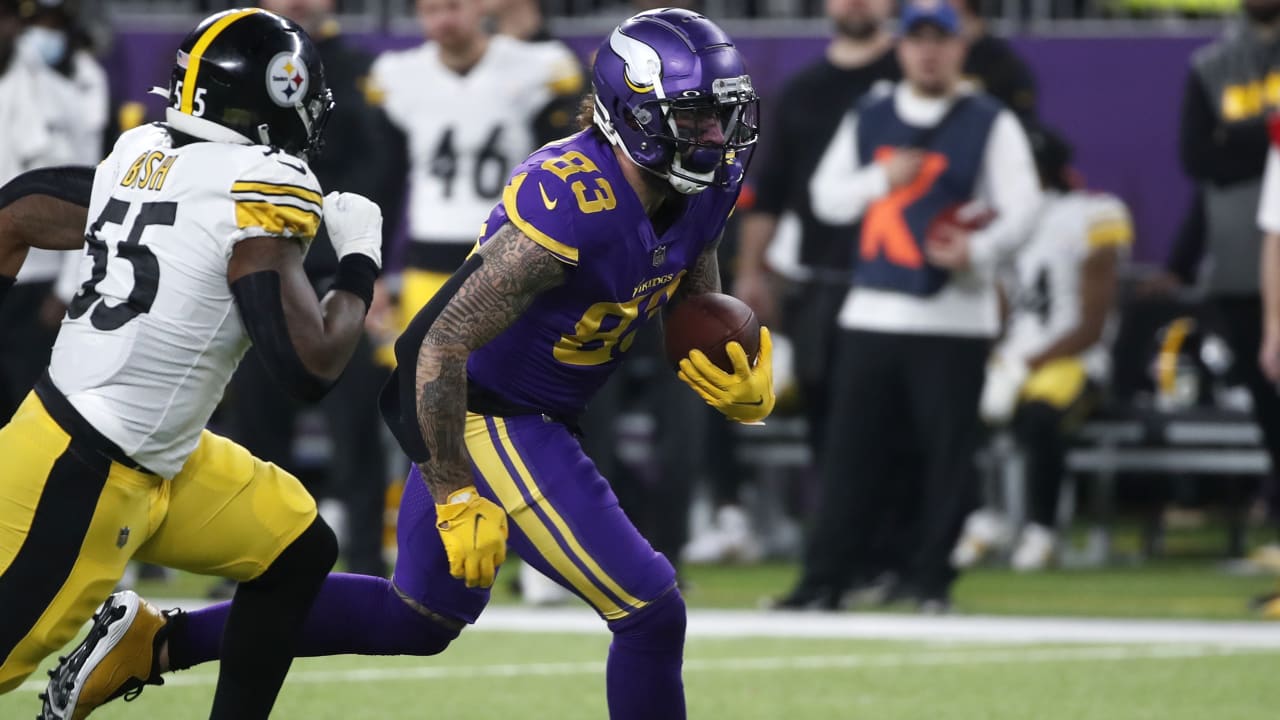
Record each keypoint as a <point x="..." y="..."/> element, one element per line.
<point x="571" y="198"/>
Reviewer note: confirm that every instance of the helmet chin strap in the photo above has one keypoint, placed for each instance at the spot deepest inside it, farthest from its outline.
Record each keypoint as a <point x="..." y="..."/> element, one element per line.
<point x="687" y="182"/>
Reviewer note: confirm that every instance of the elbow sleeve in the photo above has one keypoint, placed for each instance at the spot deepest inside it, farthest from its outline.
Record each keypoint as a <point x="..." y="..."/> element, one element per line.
<point x="69" y="183"/>
<point x="262" y="312"/>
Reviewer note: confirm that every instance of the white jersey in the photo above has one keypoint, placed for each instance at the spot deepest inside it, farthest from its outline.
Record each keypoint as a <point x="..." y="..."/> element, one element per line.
<point x="466" y="132"/>
<point x="1044" y="289"/>
<point x="153" y="335"/>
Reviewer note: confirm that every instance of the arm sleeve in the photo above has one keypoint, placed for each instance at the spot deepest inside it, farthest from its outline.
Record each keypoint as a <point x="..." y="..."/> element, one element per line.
<point x="257" y="296"/>
<point x="840" y="189"/>
<point x="277" y="197"/>
<point x="1010" y="186"/>
<point x="71" y="183"/>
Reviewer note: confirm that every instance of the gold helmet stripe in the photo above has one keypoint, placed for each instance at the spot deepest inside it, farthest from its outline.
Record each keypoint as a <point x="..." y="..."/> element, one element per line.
<point x="193" y="61"/>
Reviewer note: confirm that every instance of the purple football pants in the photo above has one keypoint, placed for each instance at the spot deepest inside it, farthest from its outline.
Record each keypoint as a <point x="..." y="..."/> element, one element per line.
<point x="563" y="519"/>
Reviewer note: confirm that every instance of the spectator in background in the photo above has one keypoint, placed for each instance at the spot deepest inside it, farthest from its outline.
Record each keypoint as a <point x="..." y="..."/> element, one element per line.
<point x="1043" y="379"/>
<point x="52" y="112"/>
<point x="916" y="327"/>
<point x="992" y="64"/>
<point x="259" y="414"/>
<point x="523" y="20"/>
<point x="465" y="106"/>
<point x="781" y="241"/>
<point x="1229" y="91"/>
<point x="520" y="19"/>
<point x="55" y="35"/>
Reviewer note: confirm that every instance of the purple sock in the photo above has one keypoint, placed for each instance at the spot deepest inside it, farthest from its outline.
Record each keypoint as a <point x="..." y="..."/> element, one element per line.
<point x="353" y="614"/>
<point x="643" y="674"/>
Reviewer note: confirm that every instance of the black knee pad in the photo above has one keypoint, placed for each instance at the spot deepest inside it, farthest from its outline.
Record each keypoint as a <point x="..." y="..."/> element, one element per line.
<point x="311" y="554"/>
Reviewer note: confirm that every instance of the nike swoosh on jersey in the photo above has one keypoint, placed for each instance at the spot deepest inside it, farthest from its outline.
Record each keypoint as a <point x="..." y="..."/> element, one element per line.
<point x="299" y="169"/>
<point x="551" y="204"/>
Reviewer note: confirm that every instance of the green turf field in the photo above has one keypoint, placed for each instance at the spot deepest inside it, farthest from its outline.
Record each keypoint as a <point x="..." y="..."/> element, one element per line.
<point x="500" y="674"/>
<point x="487" y="676"/>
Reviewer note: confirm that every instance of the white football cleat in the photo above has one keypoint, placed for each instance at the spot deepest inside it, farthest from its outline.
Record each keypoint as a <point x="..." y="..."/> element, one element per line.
<point x="984" y="530"/>
<point x="1036" y="549"/>
<point x="729" y="539"/>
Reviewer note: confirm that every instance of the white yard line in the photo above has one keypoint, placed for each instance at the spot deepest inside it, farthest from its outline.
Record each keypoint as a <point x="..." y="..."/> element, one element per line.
<point x="879" y="626"/>
<point x="433" y="669"/>
<point x="875" y="626"/>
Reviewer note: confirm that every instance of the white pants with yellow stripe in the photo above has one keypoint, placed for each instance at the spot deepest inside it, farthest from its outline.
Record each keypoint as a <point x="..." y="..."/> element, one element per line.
<point x="71" y="518"/>
<point x="564" y="520"/>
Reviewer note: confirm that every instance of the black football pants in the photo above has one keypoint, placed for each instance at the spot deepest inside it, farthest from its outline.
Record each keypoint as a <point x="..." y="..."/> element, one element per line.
<point x="903" y="428"/>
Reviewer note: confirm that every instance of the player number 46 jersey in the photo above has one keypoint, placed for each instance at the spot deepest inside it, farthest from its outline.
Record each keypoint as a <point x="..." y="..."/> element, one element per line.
<point x="466" y="132"/>
<point x="1044" y="289"/>
<point x="153" y="334"/>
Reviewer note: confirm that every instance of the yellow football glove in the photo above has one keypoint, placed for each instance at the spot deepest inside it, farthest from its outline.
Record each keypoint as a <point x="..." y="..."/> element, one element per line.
<point x="746" y="395"/>
<point x="474" y="531"/>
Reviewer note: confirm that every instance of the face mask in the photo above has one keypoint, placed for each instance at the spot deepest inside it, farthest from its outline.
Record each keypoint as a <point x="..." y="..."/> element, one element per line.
<point x="47" y="44"/>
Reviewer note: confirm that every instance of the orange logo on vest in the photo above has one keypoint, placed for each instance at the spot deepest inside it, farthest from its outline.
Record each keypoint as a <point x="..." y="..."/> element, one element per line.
<point x="884" y="227"/>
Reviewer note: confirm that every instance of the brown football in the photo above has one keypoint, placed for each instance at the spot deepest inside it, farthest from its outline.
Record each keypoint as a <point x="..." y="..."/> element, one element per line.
<point x="969" y="216"/>
<point x="708" y="322"/>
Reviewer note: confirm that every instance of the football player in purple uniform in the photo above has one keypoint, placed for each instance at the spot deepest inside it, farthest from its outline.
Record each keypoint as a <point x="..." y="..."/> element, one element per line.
<point x="594" y="236"/>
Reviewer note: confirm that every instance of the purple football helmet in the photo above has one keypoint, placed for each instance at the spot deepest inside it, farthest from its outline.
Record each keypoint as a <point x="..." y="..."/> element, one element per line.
<point x="673" y="92"/>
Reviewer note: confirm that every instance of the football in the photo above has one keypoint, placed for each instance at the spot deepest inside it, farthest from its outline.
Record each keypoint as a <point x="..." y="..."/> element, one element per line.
<point x="965" y="216"/>
<point x="708" y="322"/>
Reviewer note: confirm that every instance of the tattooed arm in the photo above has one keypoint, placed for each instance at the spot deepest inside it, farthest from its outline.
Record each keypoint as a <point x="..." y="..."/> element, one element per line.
<point x="512" y="273"/>
<point x="704" y="276"/>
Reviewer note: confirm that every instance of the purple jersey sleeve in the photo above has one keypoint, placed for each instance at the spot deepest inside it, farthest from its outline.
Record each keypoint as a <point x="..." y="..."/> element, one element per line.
<point x="559" y="200"/>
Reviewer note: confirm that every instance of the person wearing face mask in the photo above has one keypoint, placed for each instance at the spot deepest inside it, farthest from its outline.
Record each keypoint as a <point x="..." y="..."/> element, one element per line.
<point x="45" y="119"/>
<point x="53" y="34"/>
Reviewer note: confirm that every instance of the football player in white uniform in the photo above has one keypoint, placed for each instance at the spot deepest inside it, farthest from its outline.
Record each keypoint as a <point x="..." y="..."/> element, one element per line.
<point x="1043" y="374"/>
<point x="196" y="230"/>
<point x="470" y="105"/>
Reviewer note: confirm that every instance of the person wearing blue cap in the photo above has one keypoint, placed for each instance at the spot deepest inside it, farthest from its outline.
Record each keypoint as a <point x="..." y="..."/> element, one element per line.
<point x="910" y="164"/>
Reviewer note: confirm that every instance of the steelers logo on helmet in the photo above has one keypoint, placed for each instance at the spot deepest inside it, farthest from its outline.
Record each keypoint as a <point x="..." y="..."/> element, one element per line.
<point x="287" y="79"/>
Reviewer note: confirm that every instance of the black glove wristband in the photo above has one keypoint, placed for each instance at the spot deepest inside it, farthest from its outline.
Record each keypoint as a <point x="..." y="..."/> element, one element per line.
<point x="356" y="275"/>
